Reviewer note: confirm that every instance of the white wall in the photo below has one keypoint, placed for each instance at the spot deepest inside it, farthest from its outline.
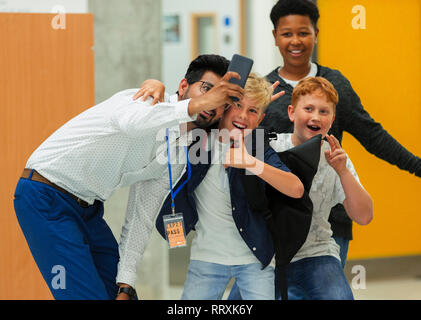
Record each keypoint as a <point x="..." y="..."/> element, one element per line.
<point x="258" y="31"/>
<point x="43" y="6"/>
<point x="260" y="42"/>
<point x="177" y="56"/>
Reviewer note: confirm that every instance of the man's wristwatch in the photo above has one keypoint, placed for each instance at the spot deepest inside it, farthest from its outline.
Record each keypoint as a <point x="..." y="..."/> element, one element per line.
<point x="129" y="291"/>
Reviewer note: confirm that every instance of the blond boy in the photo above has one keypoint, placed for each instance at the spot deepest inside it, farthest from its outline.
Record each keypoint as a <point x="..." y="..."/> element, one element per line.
<point x="231" y="241"/>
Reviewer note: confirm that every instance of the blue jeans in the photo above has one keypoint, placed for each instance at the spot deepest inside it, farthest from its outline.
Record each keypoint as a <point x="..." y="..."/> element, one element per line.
<point x="73" y="247"/>
<point x="343" y="245"/>
<point x="318" y="278"/>
<point x="294" y="293"/>
<point x="315" y="278"/>
<point x="208" y="281"/>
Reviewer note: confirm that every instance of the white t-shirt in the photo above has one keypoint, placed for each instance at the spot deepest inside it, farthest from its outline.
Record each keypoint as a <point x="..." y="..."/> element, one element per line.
<point x="326" y="191"/>
<point x="217" y="239"/>
<point x="312" y="73"/>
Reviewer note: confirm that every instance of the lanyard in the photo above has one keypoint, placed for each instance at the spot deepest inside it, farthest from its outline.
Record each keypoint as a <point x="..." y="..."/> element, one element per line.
<point x="173" y="194"/>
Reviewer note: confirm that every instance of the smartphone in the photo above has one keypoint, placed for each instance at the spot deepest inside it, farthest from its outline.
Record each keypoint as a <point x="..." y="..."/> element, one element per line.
<point x="242" y="65"/>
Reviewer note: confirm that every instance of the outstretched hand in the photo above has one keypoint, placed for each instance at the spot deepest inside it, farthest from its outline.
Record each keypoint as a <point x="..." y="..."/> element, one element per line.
<point x="219" y="96"/>
<point x="151" y="88"/>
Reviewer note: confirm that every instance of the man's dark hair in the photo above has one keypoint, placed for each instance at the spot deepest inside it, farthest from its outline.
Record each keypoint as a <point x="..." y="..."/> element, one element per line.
<point x="301" y="7"/>
<point x="206" y="62"/>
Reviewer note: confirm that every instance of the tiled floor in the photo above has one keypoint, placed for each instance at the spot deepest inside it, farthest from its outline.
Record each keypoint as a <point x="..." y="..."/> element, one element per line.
<point x="396" y="278"/>
<point x="389" y="289"/>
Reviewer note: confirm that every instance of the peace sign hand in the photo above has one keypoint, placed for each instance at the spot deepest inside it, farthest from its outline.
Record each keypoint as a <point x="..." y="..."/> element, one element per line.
<point x="279" y="94"/>
<point x="336" y="156"/>
<point x="238" y="157"/>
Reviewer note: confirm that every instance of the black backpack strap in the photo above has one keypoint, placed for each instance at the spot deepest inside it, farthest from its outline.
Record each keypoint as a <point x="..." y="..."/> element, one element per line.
<point x="253" y="186"/>
<point x="283" y="282"/>
<point x="288" y="219"/>
<point x="256" y="195"/>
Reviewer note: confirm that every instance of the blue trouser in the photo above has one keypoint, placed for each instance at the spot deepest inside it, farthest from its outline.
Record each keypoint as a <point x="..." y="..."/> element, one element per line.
<point x="208" y="281"/>
<point x="318" y="278"/>
<point x="73" y="247"/>
<point x="296" y="294"/>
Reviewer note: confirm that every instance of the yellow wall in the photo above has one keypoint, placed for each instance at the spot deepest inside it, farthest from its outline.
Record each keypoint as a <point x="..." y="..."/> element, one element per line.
<point x="383" y="64"/>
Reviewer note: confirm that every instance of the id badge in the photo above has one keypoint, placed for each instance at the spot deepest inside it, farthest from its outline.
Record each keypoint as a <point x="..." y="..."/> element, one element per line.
<point x="174" y="230"/>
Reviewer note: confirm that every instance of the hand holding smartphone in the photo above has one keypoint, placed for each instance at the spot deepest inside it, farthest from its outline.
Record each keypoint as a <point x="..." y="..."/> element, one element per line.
<point x="242" y="65"/>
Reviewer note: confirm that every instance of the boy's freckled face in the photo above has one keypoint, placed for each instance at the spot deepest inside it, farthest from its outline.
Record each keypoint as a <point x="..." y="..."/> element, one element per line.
<point x="295" y="37"/>
<point x="241" y="116"/>
<point x="312" y="115"/>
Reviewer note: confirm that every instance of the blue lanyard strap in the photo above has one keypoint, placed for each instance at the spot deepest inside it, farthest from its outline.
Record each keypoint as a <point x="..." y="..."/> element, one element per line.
<point x="173" y="194"/>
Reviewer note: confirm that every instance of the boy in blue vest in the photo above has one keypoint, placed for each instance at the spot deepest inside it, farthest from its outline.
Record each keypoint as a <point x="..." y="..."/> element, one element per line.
<point x="231" y="241"/>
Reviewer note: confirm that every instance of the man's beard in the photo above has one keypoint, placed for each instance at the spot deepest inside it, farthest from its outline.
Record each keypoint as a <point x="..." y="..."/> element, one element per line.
<point x="202" y="122"/>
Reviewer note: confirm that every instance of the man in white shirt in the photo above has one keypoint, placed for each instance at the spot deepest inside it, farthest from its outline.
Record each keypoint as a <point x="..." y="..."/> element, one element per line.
<point x="59" y="199"/>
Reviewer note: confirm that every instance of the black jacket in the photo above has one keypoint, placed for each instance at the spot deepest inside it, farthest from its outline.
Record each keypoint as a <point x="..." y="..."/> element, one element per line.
<point x="350" y="117"/>
<point x="288" y="219"/>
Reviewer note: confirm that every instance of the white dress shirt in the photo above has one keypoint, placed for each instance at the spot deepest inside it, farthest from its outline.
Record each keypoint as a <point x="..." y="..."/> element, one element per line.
<point x="145" y="202"/>
<point x="109" y="146"/>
